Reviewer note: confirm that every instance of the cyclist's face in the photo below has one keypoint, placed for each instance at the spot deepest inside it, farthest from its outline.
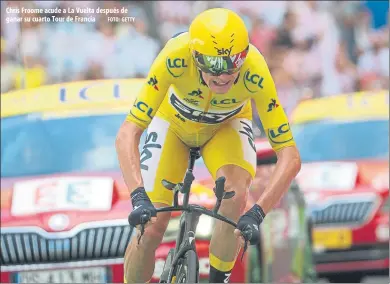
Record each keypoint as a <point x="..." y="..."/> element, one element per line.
<point x="220" y="84"/>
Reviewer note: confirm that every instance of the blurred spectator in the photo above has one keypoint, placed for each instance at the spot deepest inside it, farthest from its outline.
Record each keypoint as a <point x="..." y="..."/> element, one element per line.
<point x="347" y="16"/>
<point x="175" y="17"/>
<point x="249" y="9"/>
<point x="200" y="6"/>
<point x="10" y="31"/>
<point x="272" y="12"/>
<point x="346" y="73"/>
<point x="284" y="33"/>
<point x="371" y="82"/>
<point x="138" y="49"/>
<point x="262" y="36"/>
<point x="30" y="32"/>
<point x="94" y="72"/>
<point x="31" y="75"/>
<point x="66" y="49"/>
<point x="374" y="62"/>
<point x="303" y="63"/>
<point x="103" y="52"/>
<point x="8" y="70"/>
<point x="317" y="25"/>
<point x="362" y="31"/>
<point x="145" y="48"/>
<point x="288" y="92"/>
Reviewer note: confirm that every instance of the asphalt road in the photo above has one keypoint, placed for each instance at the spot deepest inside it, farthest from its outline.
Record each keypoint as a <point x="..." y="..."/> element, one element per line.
<point x="370" y="280"/>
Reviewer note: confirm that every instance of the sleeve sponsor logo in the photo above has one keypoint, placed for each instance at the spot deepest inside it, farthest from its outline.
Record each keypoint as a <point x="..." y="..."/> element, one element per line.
<point x="200" y="116"/>
<point x="175" y="66"/>
<point x="176" y="63"/>
<point x="151" y="142"/>
<point x="252" y="79"/>
<point x="281" y="134"/>
<point x="153" y="82"/>
<point x="142" y="107"/>
<point x="272" y="105"/>
<point x="247" y="131"/>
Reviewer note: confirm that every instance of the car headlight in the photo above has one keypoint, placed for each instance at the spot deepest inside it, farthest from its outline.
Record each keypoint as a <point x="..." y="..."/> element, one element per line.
<point x="382" y="229"/>
<point x="205" y="226"/>
<point x="204" y="229"/>
<point x="382" y="232"/>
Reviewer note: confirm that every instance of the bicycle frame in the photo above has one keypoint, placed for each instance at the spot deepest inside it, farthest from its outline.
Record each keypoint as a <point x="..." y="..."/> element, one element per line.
<point x="189" y="219"/>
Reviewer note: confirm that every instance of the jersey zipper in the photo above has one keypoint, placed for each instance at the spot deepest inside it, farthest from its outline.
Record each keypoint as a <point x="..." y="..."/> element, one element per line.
<point x="207" y="105"/>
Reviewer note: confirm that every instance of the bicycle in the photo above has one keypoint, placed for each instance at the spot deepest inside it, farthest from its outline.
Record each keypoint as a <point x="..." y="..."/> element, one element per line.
<point x="182" y="263"/>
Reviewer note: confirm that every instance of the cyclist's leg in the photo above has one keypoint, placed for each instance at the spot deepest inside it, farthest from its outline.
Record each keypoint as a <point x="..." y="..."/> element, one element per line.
<point x="230" y="153"/>
<point x="164" y="156"/>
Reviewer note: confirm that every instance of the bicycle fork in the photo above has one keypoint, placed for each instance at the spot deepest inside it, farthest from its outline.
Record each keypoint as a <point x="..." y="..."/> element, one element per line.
<point x="185" y="241"/>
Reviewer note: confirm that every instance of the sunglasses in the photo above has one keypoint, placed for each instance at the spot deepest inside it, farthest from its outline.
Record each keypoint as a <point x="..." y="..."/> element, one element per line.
<point x="207" y="70"/>
<point x="218" y="65"/>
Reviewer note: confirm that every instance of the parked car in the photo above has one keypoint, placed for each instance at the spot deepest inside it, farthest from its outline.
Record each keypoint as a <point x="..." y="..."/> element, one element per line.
<point x="344" y="145"/>
<point x="64" y="204"/>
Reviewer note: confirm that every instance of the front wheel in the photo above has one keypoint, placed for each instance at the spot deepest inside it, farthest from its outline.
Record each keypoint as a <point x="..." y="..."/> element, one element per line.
<point x="167" y="267"/>
<point x="188" y="270"/>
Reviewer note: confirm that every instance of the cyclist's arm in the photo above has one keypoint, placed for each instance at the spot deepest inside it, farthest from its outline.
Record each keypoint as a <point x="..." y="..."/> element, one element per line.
<point x="140" y="115"/>
<point x="277" y="130"/>
<point x="127" y="142"/>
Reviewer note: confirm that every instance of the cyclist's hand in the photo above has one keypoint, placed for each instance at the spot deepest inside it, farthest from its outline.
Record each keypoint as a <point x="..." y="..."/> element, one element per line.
<point x="143" y="209"/>
<point x="248" y="226"/>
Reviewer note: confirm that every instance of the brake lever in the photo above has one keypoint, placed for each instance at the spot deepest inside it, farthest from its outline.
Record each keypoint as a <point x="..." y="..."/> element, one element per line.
<point x="244" y="250"/>
<point x="228" y="194"/>
<point x="244" y="235"/>
<point x="143" y="223"/>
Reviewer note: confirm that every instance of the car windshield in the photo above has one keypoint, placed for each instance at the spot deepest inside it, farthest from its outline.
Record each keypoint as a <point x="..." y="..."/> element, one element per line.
<point x="33" y="145"/>
<point x="335" y="140"/>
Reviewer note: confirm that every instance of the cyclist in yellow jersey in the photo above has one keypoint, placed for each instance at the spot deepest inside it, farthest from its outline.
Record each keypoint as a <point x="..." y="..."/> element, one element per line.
<point x="199" y="92"/>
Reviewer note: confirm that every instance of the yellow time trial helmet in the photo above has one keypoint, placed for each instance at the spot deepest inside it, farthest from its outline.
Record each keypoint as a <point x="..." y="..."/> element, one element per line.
<point x="219" y="41"/>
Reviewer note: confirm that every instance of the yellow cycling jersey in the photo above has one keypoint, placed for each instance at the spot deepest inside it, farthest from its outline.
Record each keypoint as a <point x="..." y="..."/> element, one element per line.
<point x="176" y="92"/>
